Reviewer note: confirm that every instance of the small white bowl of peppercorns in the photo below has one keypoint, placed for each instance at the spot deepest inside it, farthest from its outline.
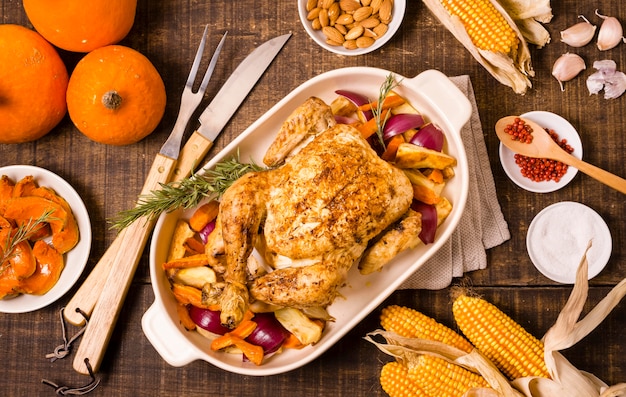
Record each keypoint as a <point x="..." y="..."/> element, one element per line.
<point x="351" y="27"/>
<point x="542" y="175"/>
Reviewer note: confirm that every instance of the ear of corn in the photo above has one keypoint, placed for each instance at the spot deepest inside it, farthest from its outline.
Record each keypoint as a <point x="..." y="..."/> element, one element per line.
<point x="441" y="378"/>
<point x="395" y="381"/>
<point x="503" y="341"/>
<point x="412" y="324"/>
<point x="491" y="36"/>
<point x="484" y="24"/>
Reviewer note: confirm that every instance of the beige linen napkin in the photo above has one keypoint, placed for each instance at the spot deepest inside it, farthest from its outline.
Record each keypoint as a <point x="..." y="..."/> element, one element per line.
<point x="482" y="225"/>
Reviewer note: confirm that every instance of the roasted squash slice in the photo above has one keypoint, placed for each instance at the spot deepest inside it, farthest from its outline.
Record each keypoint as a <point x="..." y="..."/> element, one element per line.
<point x="50" y="264"/>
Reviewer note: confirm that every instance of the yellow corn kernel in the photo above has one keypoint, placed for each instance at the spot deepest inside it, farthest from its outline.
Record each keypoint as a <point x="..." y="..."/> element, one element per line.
<point x="395" y="381"/>
<point x="503" y="341"/>
<point x="412" y="324"/>
<point x="484" y="24"/>
<point x="437" y="377"/>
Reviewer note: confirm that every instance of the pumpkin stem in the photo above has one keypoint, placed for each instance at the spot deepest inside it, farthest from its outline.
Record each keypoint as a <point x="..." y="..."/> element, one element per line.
<point x="111" y="100"/>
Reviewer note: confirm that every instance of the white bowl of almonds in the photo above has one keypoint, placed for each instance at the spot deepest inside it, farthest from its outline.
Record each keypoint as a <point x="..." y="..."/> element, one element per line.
<point x="351" y="27"/>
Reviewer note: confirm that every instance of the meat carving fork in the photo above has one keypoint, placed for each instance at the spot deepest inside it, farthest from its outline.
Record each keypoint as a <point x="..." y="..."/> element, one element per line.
<point x="132" y="240"/>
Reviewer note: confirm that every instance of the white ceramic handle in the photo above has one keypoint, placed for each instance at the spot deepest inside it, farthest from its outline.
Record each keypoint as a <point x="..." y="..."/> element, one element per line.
<point x="166" y="338"/>
<point x="443" y="95"/>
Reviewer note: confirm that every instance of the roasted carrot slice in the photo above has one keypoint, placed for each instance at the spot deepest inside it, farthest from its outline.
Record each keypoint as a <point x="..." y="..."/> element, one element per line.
<point x="390" y="102"/>
<point x="370" y="127"/>
<point x="185" y="318"/>
<point x="188" y="261"/>
<point x="204" y="214"/>
<point x="392" y="147"/>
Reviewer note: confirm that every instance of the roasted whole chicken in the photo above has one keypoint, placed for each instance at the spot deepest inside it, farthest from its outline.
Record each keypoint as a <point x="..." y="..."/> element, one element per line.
<point x="312" y="217"/>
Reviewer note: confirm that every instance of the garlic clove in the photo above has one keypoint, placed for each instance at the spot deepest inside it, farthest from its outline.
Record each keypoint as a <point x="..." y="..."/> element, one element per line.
<point x="579" y="34"/>
<point x="566" y="67"/>
<point x="610" y="33"/>
<point x="608" y="78"/>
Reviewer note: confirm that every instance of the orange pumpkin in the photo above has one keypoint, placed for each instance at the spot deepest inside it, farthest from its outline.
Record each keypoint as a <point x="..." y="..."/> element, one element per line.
<point x="33" y="81"/>
<point x="81" y="26"/>
<point x="115" y="96"/>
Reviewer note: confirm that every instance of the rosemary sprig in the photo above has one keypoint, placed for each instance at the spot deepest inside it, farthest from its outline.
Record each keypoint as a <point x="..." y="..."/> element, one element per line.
<point x="186" y="193"/>
<point x="22" y="233"/>
<point x="388" y="85"/>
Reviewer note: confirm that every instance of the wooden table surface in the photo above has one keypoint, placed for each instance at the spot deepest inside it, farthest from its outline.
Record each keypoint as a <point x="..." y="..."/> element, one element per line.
<point x="109" y="179"/>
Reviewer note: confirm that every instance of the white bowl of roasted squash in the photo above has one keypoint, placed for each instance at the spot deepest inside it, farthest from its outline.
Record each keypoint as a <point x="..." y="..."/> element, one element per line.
<point x="45" y="236"/>
<point x="345" y="187"/>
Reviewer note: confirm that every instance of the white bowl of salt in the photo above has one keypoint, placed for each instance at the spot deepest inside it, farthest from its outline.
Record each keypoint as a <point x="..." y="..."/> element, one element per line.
<point x="558" y="237"/>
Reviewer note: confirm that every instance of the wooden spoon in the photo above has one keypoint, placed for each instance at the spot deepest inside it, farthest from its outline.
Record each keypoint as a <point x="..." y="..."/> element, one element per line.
<point x="543" y="146"/>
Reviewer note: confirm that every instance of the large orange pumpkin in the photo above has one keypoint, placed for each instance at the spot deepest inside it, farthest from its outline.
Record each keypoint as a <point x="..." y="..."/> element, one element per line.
<point x="33" y="81"/>
<point x="81" y="26"/>
<point x="115" y="96"/>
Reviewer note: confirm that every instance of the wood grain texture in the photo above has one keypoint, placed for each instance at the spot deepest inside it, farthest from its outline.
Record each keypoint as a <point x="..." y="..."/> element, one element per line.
<point x="109" y="179"/>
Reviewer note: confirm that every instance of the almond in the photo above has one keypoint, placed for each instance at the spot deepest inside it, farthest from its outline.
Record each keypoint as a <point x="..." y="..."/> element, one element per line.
<point x="323" y="17"/>
<point x="327" y="3"/>
<point x="311" y="4"/>
<point x="313" y="14"/>
<point x="364" y="42"/>
<point x="349" y="5"/>
<point x="341" y="28"/>
<point x="370" y="22"/>
<point x="333" y="13"/>
<point x="362" y="13"/>
<point x="354" y="33"/>
<point x="333" y="43"/>
<point x="380" y="29"/>
<point x="375" y="4"/>
<point x="333" y="34"/>
<point x="366" y="2"/>
<point x="344" y="19"/>
<point x="316" y="24"/>
<point x="384" y="13"/>
<point x="350" y="45"/>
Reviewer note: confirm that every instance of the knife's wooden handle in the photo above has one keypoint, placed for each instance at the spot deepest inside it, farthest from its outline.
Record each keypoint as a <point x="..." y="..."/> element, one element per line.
<point x="191" y="155"/>
<point x="109" y="303"/>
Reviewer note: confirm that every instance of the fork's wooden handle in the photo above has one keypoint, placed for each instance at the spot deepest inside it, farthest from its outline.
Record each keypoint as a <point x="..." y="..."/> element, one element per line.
<point x="109" y="303"/>
<point x="87" y="295"/>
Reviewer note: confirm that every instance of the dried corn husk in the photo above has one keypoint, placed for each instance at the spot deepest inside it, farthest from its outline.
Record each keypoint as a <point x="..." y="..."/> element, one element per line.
<point x="511" y="70"/>
<point x="566" y="379"/>
<point x="529" y="15"/>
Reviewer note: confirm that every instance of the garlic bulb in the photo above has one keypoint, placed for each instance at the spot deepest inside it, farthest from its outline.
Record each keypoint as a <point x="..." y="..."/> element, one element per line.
<point x="610" y="34"/>
<point x="566" y="67"/>
<point x="580" y="34"/>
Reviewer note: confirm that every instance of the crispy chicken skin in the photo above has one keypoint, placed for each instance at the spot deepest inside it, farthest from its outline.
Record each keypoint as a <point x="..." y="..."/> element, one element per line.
<point x="308" y="120"/>
<point x="319" y="210"/>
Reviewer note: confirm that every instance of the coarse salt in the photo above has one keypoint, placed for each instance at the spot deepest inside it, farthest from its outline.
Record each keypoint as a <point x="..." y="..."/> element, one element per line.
<point x="558" y="238"/>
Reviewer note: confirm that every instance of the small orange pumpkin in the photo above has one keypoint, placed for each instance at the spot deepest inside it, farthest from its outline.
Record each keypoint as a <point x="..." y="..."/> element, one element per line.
<point x="33" y="81"/>
<point x="116" y="96"/>
<point x="81" y="26"/>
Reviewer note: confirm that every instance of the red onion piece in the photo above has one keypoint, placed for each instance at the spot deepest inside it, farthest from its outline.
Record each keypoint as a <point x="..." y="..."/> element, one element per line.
<point x="430" y="137"/>
<point x="206" y="230"/>
<point x="269" y="333"/>
<point x="400" y="123"/>
<point x="208" y="320"/>
<point x="358" y="100"/>
<point x="429" y="220"/>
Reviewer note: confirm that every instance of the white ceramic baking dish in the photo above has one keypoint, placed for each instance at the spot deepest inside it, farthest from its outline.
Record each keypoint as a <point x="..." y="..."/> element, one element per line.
<point x="433" y="94"/>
